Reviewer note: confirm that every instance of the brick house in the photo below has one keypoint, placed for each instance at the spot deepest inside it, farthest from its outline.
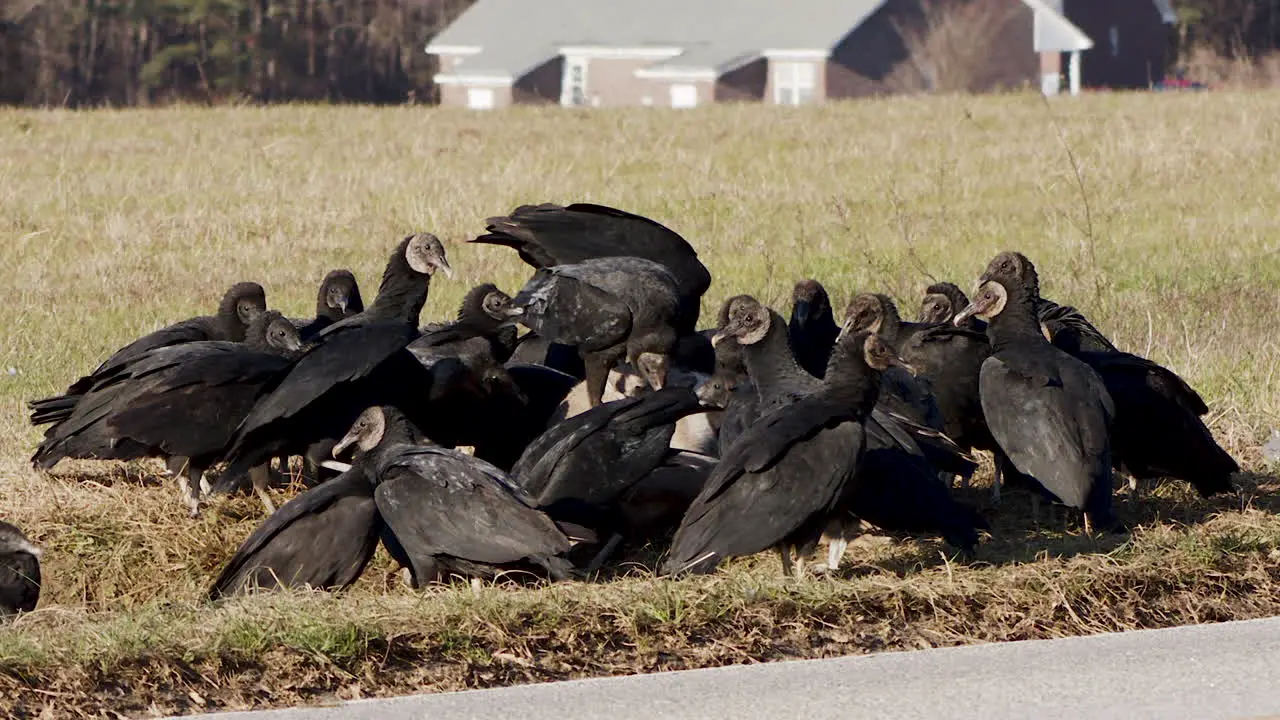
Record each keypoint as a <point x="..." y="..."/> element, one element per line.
<point x="683" y="53"/>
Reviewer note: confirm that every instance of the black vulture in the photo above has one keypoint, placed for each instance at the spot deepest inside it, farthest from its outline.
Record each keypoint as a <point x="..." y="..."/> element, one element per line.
<point x="181" y="402"/>
<point x="945" y="357"/>
<point x="543" y="390"/>
<point x="903" y="458"/>
<point x="19" y="571"/>
<point x="546" y="235"/>
<point x="337" y="298"/>
<point x="941" y="303"/>
<point x="778" y="484"/>
<point x="611" y="309"/>
<point x="1158" y="430"/>
<point x="480" y="327"/>
<point x="902" y="391"/>
<point x="579" y="468"/>
<point x="322" y="538"/>
<point x="451" y="513"/>
<point x="1049" y="412"/>
<point x="239" y="306"/>
<point x="353" y="363"/>
<point x="470" y="385"/>
<point x="812" y="330"/>
<point x="730" y="390"/>
<point x="653" y="507"/>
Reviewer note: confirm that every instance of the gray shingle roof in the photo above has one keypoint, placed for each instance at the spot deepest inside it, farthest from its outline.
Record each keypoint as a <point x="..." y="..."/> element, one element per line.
<point x="518" y="35"/>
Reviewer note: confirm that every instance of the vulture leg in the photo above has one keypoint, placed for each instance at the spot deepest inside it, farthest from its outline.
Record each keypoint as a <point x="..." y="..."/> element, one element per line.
<point x="597" y="376"/>
<point x="190" y="483"/>
<point x="995" y="483"/>
<point x="260" y="476"/>
<point x="605" y="552"/>
<point x="785" y="554"/>
<point x="839" y="544"/>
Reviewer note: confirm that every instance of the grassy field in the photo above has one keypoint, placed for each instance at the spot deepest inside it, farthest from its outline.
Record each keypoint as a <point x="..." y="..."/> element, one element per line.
<point x="1163" y="228"/>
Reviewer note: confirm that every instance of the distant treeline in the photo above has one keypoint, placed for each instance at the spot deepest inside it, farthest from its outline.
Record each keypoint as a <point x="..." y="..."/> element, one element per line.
<point x="137" y="52"/>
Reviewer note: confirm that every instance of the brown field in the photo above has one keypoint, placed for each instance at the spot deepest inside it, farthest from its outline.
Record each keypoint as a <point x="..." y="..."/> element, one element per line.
<point x="1163" y="228"/>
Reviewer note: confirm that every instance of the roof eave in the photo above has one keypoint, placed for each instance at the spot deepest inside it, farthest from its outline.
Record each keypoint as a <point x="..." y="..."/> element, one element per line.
<point x="435" y="49"/>
<point x="693" y="74"/>
<point x="796" y="53"/>
<point x="477" y="79"/>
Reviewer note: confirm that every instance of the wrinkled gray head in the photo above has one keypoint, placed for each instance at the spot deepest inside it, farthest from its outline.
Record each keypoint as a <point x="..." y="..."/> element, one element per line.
<point x="988" y="302"/>
<point x="745" y="319"/>
<point x="13" y="540"/>
<point x="425" y="254"/>
<point x="365" y="433"/>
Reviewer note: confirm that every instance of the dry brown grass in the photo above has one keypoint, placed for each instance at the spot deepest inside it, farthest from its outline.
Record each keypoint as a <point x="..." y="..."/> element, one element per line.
<point x="112" y="223"/>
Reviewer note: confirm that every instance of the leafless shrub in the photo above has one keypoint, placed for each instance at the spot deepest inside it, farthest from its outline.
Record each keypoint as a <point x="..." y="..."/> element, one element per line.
<point x="1203" y="65"/>
<point x="964" y="46"/>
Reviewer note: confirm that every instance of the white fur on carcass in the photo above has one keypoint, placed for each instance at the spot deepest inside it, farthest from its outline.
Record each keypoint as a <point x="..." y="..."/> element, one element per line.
<point x="693" y="432"/>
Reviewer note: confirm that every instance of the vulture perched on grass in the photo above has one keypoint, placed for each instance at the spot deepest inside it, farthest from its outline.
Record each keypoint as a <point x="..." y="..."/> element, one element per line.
<point x="19" y="571"/>
<point x="355" y="362"/>
<point x="451" y="513"/>
<point x="1049" y="412"/>
<point x="181" y="402"/>
<point x="1158" y="430"/>
<point x="777" y="485"/>
<point x="239" y="306"/>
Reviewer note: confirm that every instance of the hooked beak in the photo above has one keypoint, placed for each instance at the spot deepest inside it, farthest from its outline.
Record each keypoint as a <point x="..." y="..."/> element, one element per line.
<point x="342" y="305"/>
<point x="347" y="441"/>
<point x="801" y="310"/>
<point x="845" y="329"/>
<point x="443" y="266"/>
<point x="732" y="329"/>
<point x="969" y="311"/>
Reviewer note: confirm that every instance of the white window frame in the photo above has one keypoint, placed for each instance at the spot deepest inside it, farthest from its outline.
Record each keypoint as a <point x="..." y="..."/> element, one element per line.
<point x="574" y="64"/>
<point x="791" y="79"/>
<point x="688" y="95"/>
<point x="481" y="98"/>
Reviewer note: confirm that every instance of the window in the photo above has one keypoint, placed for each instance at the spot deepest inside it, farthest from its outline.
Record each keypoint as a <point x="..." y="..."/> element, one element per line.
<point x="684" y="96"/>
<point x="1114" y="36"/>
<point x="574" y="90"/>
<point x="794" y="83"/>
<point x="480" y="98"/>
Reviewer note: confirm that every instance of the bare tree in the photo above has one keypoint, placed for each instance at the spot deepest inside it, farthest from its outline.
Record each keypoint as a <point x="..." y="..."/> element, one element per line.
<point x="965" y="46"/>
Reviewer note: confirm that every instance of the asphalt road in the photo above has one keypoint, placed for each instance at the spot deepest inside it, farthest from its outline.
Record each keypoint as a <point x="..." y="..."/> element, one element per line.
<point x="1228" y="670"/>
